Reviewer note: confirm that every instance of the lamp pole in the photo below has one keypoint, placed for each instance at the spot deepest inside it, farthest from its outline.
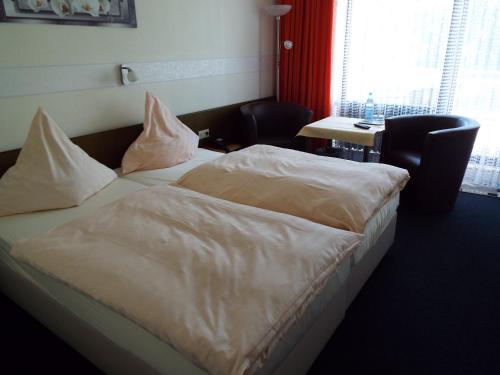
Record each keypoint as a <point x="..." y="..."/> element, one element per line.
<point x="278" y="56"/>
<point x="277" y="11"/>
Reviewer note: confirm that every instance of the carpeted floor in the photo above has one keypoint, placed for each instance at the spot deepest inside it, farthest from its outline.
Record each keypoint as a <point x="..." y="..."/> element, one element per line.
<point x="431" y="307"/>
<point x="433" y="304"/>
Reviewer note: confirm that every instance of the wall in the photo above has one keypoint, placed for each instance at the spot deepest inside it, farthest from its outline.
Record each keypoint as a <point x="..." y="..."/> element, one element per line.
<point x="167" y="30"/>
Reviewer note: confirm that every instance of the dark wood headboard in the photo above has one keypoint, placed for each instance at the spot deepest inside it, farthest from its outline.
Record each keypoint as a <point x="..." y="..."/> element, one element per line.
<point x="108" y="147"/>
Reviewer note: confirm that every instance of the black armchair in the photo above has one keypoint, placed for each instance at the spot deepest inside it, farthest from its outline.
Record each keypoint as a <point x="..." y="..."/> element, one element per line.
<point x="435" y="150"/>
<point x="274" y="123"/>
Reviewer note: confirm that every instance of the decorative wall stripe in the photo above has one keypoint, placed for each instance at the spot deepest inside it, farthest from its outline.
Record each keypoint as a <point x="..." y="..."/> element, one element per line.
<point x="23" y="81"/>
<point x="50" y="79"/>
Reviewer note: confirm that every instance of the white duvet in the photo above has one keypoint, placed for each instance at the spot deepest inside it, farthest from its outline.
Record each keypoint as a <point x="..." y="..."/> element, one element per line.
<point x="335" y="192"/>
<point x="218" y="281"/>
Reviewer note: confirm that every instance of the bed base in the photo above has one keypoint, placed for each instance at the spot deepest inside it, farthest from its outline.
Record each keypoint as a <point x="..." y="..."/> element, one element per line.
<point x="305" y="352"/>
<point x="79" y="334"/>
<point x="112" y="359"/>
<point x="367" y="264"/>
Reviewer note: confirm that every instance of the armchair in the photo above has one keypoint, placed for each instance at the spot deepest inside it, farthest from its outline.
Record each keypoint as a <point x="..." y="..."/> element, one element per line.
<point x="274" y="123"/>
<point x="435" y="150"/>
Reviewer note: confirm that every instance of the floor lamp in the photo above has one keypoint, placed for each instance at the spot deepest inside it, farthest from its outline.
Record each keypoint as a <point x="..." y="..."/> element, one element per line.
<point x="277" y="11"/>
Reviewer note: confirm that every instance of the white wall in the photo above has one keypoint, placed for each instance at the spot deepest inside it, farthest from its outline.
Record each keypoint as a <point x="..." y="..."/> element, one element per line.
<point x="167" y="30"/>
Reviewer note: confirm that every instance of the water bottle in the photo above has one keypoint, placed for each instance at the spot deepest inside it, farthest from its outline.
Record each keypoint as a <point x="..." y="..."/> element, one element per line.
<point x="369" y="107"/>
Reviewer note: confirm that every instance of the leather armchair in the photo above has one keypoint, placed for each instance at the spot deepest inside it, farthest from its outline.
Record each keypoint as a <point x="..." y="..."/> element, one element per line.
<point x="435" y="150"/>
<point x="274" y="123"/>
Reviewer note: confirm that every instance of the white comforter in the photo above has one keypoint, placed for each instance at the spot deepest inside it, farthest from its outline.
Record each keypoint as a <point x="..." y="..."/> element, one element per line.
<point x="335" y="192"/>
<point x="220" y="282"/>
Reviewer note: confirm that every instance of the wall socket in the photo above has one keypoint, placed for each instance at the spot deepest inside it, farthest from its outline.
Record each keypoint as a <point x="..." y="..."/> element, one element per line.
<point x="205" y="133"/>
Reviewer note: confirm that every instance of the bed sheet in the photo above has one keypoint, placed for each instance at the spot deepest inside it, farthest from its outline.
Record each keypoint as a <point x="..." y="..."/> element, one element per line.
<point x="29" y="225"/>
<point x="172" y="174"/>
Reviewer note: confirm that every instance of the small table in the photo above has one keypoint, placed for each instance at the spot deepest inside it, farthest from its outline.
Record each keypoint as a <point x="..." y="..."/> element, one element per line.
<point x="231" y="147"/>
<point x="343" y="129"/>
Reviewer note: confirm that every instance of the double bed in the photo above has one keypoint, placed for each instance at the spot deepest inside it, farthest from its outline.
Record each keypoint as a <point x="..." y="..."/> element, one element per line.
<point x="117" y="344"/>
<point x="380" y="225"/>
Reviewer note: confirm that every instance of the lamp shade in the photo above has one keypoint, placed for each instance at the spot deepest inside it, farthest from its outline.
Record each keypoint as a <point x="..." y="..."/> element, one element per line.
<point x="278" y="10"/>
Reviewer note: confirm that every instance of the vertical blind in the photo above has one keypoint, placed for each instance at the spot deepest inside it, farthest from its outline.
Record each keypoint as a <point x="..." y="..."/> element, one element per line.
<point x="477" y="94"/>
<point x="420" y="57"/>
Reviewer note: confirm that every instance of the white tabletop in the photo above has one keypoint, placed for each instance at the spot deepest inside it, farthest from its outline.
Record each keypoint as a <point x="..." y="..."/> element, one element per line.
<point x="342" y="129"/>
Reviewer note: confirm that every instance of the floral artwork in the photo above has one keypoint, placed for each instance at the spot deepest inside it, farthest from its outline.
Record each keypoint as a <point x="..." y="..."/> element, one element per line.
<point x="78" y="12"/>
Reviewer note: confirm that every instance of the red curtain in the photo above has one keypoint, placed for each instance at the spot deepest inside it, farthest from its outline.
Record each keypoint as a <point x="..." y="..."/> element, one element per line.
<point x="306" y="69"/>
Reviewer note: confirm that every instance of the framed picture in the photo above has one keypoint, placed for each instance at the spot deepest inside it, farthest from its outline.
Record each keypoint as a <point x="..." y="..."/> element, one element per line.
<point x="70" y="12"/>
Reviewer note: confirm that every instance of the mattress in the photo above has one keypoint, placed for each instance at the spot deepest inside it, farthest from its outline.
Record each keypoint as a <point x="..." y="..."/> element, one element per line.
<point x="375" y="226"/>
<point x="123" y="332"/>
<point x="172" y="174"/>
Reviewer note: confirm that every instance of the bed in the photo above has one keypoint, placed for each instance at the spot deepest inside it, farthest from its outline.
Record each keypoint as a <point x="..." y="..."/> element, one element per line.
<point x="114" y="343"/>
<point x="117" y="345"/>
<point x="380" y="226"/>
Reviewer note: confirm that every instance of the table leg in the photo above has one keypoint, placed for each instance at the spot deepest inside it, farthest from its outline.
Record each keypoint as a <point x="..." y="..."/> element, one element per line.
<point x="308" y="145"/>
<point x="366" y="153"/>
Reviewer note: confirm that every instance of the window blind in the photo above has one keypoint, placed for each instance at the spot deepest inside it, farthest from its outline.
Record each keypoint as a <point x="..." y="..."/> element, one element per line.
<point x="423" y="57"/>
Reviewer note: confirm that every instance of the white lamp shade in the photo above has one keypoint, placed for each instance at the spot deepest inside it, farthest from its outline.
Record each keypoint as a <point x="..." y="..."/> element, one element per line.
<point x="278" y="10"/>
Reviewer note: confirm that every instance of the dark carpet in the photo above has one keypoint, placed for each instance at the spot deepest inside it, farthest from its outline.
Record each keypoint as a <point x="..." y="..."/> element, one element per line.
<point x="431" y="307"/>
<point x="433" y="304"/>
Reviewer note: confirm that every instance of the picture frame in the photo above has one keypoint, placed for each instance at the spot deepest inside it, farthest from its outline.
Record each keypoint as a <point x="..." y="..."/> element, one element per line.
<point x="109" y="13"/>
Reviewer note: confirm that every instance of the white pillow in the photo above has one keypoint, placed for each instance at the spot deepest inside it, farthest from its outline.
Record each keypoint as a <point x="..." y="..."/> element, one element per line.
<point x="164" y="142"/>
<point x="50" y="172"/>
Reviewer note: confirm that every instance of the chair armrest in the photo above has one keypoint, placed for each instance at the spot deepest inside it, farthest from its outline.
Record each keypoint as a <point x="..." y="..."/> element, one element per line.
<point x="450" y="150"/>
<point x="250" y="128"/>
<point x="409" y="132"/>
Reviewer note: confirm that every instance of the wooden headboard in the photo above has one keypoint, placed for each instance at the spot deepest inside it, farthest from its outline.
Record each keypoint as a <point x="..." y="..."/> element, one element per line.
<point x="108" y="147"/>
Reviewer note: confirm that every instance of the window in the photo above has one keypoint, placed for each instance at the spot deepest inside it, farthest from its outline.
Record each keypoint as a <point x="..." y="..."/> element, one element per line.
<point x="420" y="57"/>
